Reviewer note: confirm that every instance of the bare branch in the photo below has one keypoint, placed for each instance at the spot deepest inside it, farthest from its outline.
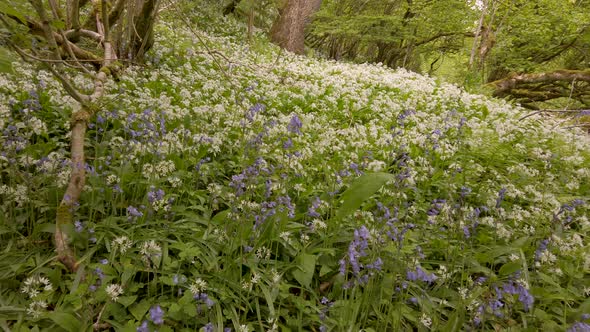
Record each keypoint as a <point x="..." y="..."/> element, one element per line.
<point x="48" y="31"/>
<point x="504" y="86"/>
<point x="577" y="112"/>
<point x="84" y="33"/>
<point x="57" y="15"/>
<point x="69" y="87"/>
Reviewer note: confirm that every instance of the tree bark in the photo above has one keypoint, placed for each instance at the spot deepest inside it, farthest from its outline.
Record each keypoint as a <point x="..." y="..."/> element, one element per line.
<point x="504" y="86"/>
<point x="288" y="31"/>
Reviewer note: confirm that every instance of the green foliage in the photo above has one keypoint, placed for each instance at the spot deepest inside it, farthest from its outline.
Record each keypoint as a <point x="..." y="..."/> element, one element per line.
<point x="395" y="33"/>
<point x="534" y="36"/>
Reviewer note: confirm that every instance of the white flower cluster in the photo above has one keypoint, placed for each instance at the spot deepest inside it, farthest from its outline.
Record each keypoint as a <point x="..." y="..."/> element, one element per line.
<point x="36" y="285"/>
<point x="150" y="250"/>
<point x="114" y="291"/>
<point x="160" y="170"/>
<point x="122" y="243"/>
<point x="198" y="286"/>
<point x="19" y="194"/>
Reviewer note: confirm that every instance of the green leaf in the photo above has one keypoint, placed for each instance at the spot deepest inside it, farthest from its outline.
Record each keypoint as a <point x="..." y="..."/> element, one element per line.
<point x="67" y="321"/>
<point x="361" y="189"/>
<point x="127" y="300"/>
<point x="219" y="217"/>
<point x="305" y="269"/>
<point x="11" y="10"/>
<point x="509" y="268"/>
<point x="139" y="309"/>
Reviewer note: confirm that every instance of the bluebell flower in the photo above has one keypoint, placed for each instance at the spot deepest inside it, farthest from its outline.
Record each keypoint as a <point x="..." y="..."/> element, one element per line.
<point x="133" y="213"/>
<point x="295" y="125"/>
<point x="79" y="226"/>
<point x="208" y="328"/>
<point x="157" y="315"/>
<point x="465" y="191"/>
<point x="288" y="143"/>
<point x="501" y="195"/>
<point x="99" y="273"/>
<point x="143" y="327"/>
<point x="579" y="327"/>
<point x="542" y="247"/>
<point x="312" y="209"/>
<point x="420" y="275"/>
<point x="156" y="195"/>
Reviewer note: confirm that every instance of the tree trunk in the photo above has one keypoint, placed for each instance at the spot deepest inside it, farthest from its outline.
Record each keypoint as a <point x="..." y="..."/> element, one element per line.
<point x="288" y="31"/>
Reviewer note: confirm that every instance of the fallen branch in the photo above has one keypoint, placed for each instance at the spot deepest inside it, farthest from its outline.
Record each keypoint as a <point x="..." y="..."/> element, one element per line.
<point x="504" y="86"/>
<point x="579" y="112"/>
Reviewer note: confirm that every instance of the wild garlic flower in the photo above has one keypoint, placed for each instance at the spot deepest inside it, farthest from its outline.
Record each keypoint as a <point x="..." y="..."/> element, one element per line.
<point x="425" y="320"/>
<point x="150" y="249"/>
<point x="263" y="253"/>
<point x="275" y="276"/>
<point x="35" y="285"/>
<point x="318" y="224"/>
<point x="199" y="286"/>
<point x="513" y="257"/>
<point x="122" y="243"/>
<point x="286" y="236"/>
<point x="114" y="291"/>
<point x="36" y="308"/>
<point x="112" y="179"/>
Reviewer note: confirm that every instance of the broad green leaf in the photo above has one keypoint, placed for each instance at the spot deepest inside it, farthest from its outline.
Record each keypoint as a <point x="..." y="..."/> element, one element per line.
<point x="127" y="300"/>
<point x="305" y="269"/>
<point x="219" y="217"/>
<point x="139" y="309"/>
<point x="509" y="268"/>
<point x="67" y="321"/>
<point x="361" y="189"/>
<point x="11" y="10"/>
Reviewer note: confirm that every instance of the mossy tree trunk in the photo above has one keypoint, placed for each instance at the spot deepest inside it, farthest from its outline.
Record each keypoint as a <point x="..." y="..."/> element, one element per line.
<point x="288" y="31"/>
<point x="66" y="38"/>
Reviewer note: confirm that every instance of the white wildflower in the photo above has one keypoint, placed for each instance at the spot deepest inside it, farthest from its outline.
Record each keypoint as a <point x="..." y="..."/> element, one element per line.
<point x="122" y="243"/>
<point x="114" y="291"/>
<point x="36" y="308"/>
<point x="304" y="238"/>
<point x="275" y="276"/>
<point x="425" y="320"/>
<point x="175" y="181"/>
<point x="35" y="285"/>
<point x="318" y="224"/>
<point x="443" y="272"/>
<point x="286" y="236"/>
<point x="198" y="286"/>
<point x="547" y="257"/>
<point x="463" y="292"/>
<point x="112" y="179"/>
<point x="263" y="253"/>
<point x="150" y="249"/>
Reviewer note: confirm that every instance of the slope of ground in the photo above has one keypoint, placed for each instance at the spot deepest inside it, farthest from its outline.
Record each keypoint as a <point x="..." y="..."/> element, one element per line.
<point x="234" y="186"/>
